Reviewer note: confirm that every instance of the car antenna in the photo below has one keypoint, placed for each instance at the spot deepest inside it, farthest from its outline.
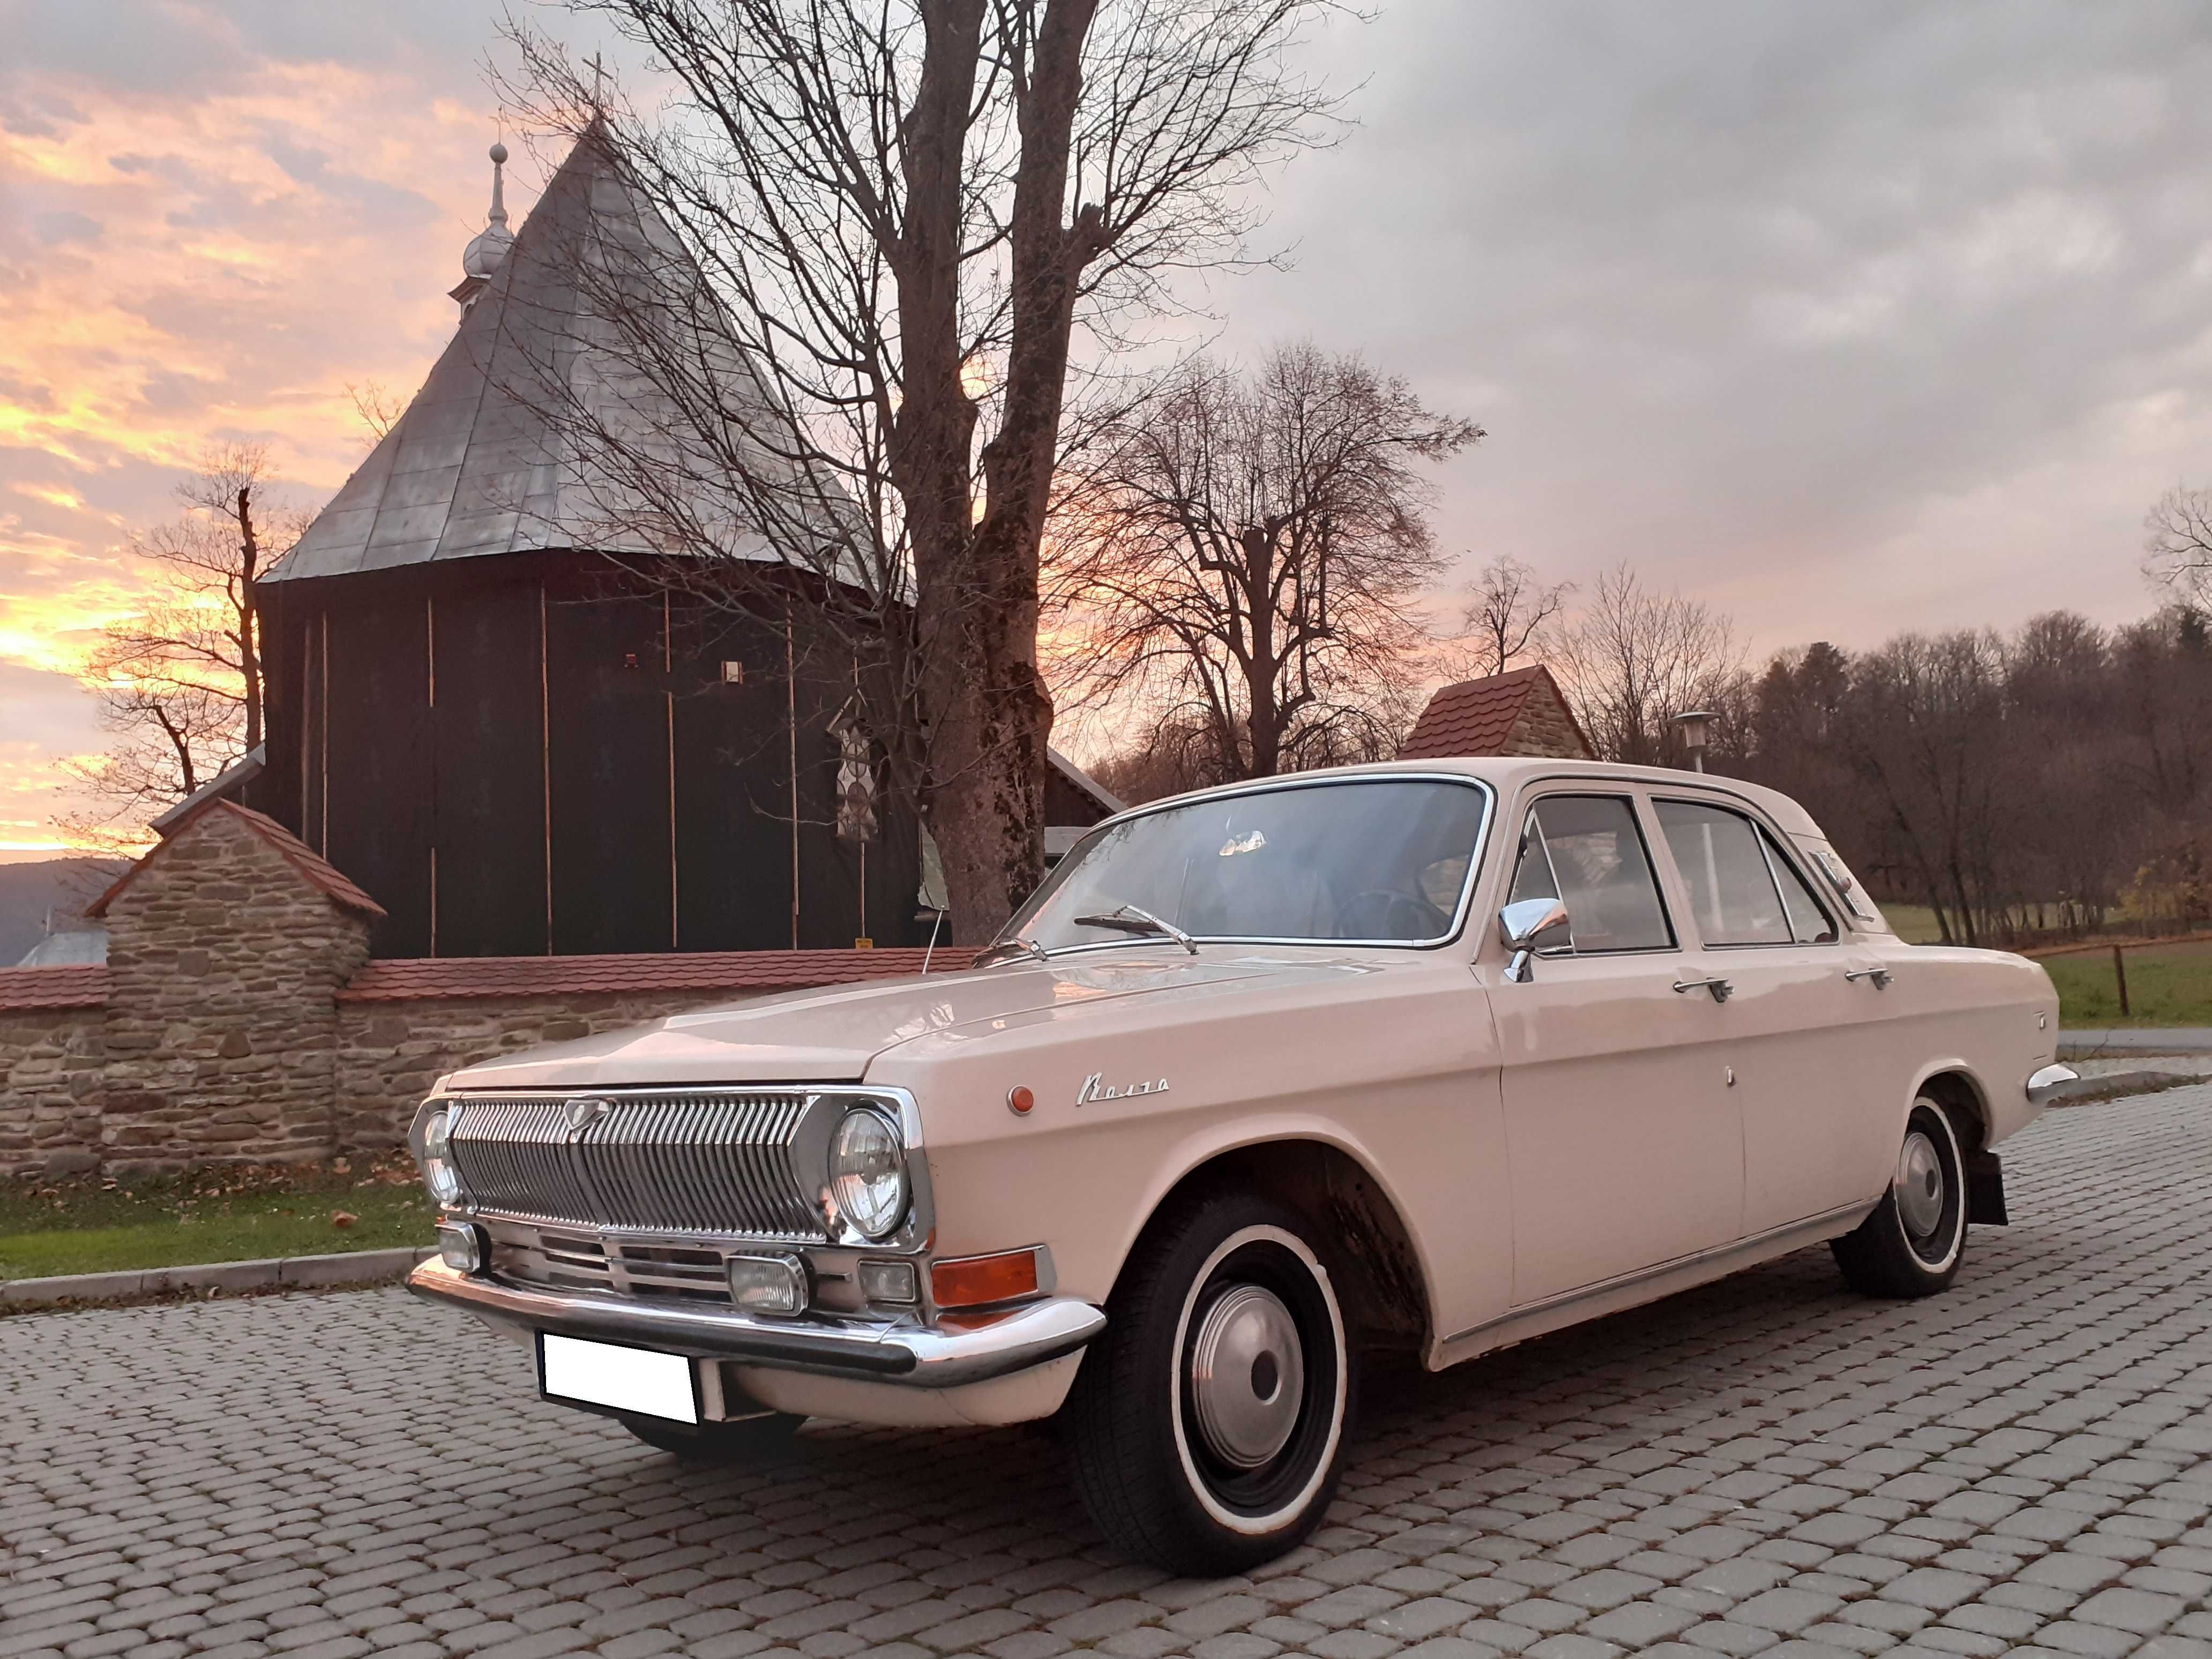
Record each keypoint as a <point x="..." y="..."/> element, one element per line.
<point x="932" y="950"/>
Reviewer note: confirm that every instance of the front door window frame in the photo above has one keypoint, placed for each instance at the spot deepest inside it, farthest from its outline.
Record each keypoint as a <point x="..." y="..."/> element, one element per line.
<point x="1633" y="800"/>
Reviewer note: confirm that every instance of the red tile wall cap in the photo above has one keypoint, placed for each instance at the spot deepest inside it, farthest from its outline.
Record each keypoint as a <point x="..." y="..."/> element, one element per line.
<point x="25" y="988"/>
<point x="1477" y="717"/>
<point x="320" y="872"/>
<point x="420" y="979"/>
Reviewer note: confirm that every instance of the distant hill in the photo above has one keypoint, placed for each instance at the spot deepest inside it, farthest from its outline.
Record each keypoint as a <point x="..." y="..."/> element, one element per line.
<point x="28" y="891"/>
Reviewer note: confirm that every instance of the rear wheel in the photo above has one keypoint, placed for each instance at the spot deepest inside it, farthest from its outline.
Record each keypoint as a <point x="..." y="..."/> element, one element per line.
<point x="1209" y="1420"/>
<point x="1912" y="1242"/>
<point x="749" y="1440"/>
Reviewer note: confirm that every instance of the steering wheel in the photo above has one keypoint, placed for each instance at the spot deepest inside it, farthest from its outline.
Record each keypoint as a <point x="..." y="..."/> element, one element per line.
<point x="1402" y="915"/>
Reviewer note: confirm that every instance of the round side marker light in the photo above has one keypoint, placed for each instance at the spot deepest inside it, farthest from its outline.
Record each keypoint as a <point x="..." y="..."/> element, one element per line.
<point x="1020" y="1101"/>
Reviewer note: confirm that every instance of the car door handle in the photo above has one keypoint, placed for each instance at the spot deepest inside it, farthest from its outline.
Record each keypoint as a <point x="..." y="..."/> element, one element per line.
<point x="1720" y="988"/>
<point x="1880" y="976"/>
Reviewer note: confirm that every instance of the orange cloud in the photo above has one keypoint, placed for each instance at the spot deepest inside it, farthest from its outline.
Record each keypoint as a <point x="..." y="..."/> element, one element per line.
<point x="178" y="268"/>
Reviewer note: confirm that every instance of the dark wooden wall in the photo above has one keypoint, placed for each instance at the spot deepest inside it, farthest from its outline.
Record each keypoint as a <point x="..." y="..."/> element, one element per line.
<point x="534" y="754"/>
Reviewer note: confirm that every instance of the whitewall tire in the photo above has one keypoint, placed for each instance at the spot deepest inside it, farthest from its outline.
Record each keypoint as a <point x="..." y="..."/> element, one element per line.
<point x="1913" y="1242"/>
<point x="1208" y="1421"/>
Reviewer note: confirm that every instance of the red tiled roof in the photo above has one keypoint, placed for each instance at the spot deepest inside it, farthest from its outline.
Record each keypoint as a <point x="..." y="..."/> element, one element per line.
<point x="1477" y="717"/>
<point x="25" y="989"/>
<point x="320" y="872"/>
<point x="421" y="978"/>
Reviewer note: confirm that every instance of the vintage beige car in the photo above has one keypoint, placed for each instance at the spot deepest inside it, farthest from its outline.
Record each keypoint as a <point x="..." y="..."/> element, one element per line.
<point x="1434" y="1058"/>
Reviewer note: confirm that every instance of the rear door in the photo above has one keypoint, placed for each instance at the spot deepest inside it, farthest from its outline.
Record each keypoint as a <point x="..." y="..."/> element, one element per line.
<point x="1625" y="1146"/>
<point x="1795" y="1024"/>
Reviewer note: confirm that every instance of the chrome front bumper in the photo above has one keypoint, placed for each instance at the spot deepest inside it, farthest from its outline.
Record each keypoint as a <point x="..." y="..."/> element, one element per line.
<point x="2044" y="1084"/>
<point x="974" y="1350"/>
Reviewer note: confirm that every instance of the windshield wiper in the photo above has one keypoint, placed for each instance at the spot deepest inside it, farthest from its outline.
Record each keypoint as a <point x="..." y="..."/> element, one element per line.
<point x="1130" y="920"/>
<point x="1007" y="949"/>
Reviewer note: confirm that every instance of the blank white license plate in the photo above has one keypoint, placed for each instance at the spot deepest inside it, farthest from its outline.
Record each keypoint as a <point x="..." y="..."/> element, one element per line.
<point x="636" y="1381"/>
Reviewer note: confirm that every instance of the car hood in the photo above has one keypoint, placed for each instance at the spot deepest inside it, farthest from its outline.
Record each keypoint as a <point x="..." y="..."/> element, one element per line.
<point x="831" y="1036"/>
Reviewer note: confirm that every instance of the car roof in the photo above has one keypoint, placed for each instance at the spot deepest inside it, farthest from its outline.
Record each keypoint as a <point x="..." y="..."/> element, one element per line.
<point x="1508" y="774"/>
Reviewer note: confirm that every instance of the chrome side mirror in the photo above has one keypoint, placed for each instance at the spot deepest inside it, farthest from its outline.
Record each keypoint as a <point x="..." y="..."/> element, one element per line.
<point x="1527" y="926"/>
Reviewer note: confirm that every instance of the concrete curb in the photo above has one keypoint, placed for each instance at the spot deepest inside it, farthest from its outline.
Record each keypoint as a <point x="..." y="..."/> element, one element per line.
<point x="2118" y="1085"/>
<point x="295" y="1272"/>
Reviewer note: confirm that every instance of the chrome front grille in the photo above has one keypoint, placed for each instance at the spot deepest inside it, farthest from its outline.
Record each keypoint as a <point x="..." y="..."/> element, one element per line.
<point x="711" y="1161"/>
<point x="693" y="1271"/>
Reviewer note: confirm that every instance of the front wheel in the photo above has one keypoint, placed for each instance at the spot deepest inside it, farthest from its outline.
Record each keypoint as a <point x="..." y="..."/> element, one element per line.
<point x="1208" y="1421"/>
<point x="1912" y="1242"/>
<point x="749" y="1440"/>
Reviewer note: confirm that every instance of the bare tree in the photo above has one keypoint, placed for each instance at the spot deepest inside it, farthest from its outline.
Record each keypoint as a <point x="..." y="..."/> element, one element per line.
<point x="1247" y="558"/>
<point x="1508" y="613"/>
<point x="2178" y="550"/>
<point x="895" y="215"/>
<point x="1166" y="757"/>
<point x="1634" y="659"/>
<point x="179" y="682"/>
<point x="167" y="737"/>
<point x="376" y="407"/>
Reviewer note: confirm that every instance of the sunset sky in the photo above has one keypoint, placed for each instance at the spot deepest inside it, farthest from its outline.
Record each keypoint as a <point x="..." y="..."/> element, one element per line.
<point x="1845" y="317"/>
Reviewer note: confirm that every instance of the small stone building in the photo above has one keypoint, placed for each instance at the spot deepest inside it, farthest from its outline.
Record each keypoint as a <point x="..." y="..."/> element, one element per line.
<point x="240" y="1018"/>
<point x="1522" y="712"/>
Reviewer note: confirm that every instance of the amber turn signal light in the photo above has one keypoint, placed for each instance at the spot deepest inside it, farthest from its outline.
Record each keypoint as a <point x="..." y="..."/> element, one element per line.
<point x="1020" y="1101"/>
<point x="975" y="1280"/>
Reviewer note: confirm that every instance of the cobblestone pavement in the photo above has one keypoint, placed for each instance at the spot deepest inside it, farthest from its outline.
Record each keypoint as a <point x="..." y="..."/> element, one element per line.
<point x="1767" y="1466"/>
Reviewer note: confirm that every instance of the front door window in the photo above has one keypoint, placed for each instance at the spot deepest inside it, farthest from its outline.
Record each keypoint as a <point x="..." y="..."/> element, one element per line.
<point x="1586" y="850"/>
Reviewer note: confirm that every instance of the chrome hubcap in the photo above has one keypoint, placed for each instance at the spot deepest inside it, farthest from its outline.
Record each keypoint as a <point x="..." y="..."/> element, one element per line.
<point x="1919" y="1186"/>
<point x="1247" y="1376"/>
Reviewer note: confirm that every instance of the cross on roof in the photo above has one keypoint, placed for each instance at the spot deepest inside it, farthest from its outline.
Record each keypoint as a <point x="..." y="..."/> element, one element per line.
<point x="598" y="81"/>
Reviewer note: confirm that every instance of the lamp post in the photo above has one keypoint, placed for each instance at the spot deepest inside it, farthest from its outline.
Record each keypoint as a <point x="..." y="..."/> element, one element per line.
<point x="1694" y="723"/>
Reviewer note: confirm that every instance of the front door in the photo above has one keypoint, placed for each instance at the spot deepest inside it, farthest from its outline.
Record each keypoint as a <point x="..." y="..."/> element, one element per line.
<point x="1624" y="1143"/>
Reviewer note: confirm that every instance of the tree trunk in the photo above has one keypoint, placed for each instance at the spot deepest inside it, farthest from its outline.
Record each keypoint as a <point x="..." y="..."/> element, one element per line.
<point x="1262" y="719"/>
<point x="249" y="651"/>
<point x="991" y="715"/>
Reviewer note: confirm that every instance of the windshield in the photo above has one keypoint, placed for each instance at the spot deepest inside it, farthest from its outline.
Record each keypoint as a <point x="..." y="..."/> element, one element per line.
<point x="1381" y="860"/>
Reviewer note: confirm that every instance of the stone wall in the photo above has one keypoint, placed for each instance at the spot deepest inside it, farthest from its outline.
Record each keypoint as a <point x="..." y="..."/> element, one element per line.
<point x="240" y="1019"/>
<point x="390" y="1051"/>
<point x="1545" y="727"/>
<point x="50" y="1086"/>
<point x="223" y="966"/>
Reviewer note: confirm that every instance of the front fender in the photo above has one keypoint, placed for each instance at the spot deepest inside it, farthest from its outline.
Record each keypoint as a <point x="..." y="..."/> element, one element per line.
<point x="1208" y="1143"/>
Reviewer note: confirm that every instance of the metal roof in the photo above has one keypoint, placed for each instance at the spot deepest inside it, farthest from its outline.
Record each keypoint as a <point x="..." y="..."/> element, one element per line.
<point x="1084" y="782"/>
<point x="488" y="458"/>
<point x="221" y="786"/>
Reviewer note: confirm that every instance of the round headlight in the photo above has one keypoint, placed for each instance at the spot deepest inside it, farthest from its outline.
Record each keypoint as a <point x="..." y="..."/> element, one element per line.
<point x="438" y="1171"/>
<point x="867" y="1172"/>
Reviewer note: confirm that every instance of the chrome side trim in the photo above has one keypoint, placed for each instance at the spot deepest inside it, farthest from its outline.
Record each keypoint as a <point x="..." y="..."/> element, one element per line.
<point x="2043" y="1085"/>
<point x="929" y="1357"/>
<point x="1534" y="1318"/>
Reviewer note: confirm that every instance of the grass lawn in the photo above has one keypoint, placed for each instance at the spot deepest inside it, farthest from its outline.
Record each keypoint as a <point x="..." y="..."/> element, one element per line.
<point x="1915" y="923"/>
<point x="212" y="1215"/>
<point x="2167" y="985"/>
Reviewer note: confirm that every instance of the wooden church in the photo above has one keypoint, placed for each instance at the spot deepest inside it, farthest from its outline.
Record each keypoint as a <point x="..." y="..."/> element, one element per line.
<point x="493" y="710"/>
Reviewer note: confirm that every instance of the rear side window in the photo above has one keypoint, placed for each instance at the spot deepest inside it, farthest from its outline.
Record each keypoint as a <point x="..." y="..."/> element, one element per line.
<point x="1587" y="851"/>
<point x="1808" y="919"/>
<point x="1846" y="885"/>
<point x="1732" y="890"/>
